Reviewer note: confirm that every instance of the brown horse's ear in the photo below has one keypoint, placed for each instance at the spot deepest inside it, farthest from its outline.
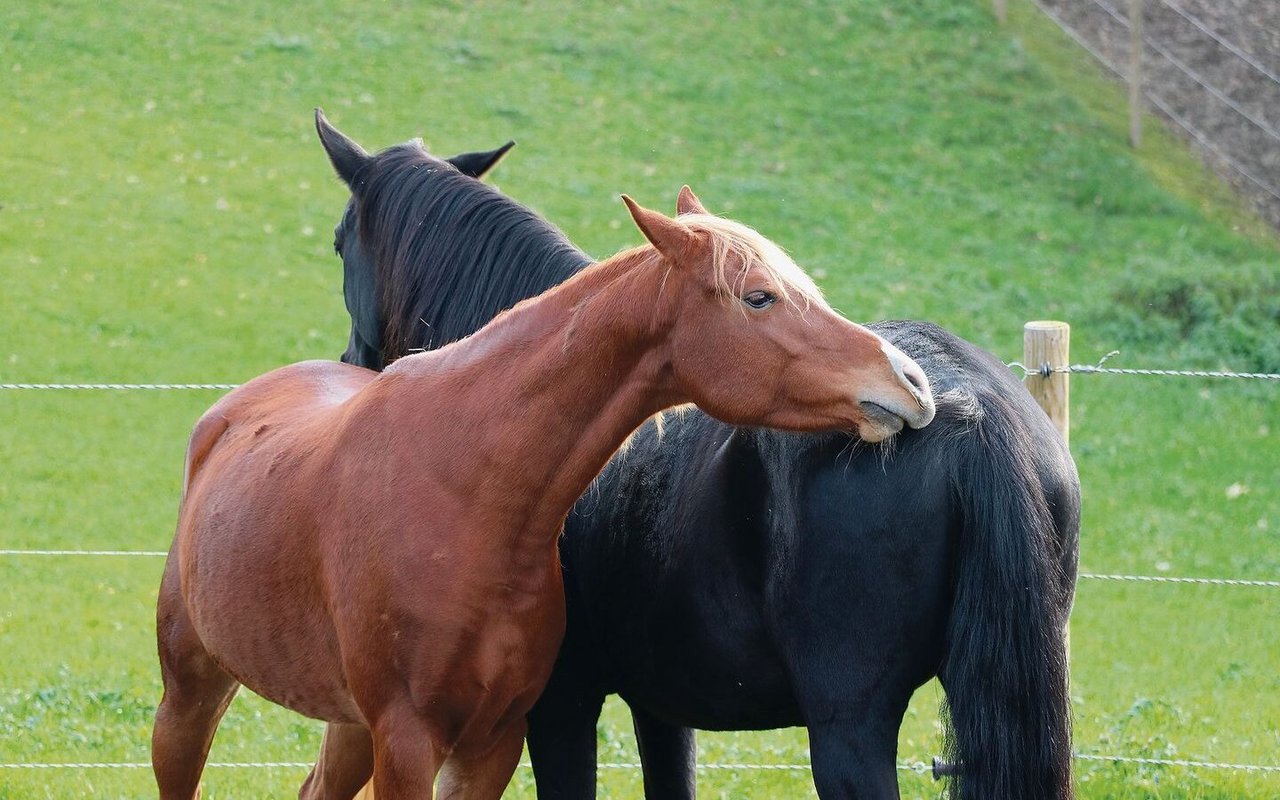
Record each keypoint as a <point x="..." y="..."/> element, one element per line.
<point x="346" y="156"/>
<point x="669" y="236"/>
<point x="688" y="202"/>
<point x="477" y="164"/>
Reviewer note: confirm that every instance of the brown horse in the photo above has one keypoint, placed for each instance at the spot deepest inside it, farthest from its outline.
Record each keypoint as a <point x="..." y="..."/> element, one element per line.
<point x="378" y="550"/>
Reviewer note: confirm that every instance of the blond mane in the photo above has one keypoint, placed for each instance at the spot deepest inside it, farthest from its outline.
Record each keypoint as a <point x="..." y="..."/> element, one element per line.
<point x="731" y="238"/>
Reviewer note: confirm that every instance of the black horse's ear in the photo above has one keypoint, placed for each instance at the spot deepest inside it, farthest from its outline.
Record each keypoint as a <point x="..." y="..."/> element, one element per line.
<point x="477" y="164"/>
<point x="346" y="156"/>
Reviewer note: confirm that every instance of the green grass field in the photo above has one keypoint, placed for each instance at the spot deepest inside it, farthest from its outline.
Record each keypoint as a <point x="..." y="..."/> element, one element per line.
<point x="166" y="216"/>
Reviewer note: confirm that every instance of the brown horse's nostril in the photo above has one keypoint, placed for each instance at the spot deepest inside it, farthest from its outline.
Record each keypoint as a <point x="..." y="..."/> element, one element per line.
<point x="912" y="378"/>
<point x="916" y="378"/>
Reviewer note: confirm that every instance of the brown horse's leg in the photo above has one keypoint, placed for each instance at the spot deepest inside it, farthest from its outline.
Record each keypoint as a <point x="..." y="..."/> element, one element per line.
<point x="345" y="764"/>
<point x="483" y="775"/>
<point x="406" y="756"/>
<point x="196" y="694"/>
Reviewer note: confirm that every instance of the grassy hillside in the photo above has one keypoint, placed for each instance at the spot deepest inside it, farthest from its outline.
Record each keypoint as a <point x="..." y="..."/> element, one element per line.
<point x="166" y="216"/>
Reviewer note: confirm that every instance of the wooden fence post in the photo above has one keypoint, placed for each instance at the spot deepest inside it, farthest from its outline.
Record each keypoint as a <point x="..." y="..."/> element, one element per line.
<point x="1135" y="73"/>
<point x="1049" y="343"/>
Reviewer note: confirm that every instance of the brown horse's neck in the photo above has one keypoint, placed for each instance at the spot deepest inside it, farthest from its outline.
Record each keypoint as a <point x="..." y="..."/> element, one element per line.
<point x="581" y="367"/>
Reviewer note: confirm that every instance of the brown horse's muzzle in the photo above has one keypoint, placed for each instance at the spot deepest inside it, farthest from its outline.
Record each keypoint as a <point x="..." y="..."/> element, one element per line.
<point x="916" y="383"/>
<point x="907" y="401"/>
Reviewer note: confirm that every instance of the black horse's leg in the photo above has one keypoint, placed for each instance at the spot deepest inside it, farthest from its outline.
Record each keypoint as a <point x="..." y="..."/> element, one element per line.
<point x="562" y="739"/>
<point x="668" y="754"/>
<point x="856" y="759"/>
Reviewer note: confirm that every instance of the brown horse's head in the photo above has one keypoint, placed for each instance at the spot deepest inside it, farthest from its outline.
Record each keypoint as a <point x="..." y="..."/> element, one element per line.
<point x="771" y="351"/>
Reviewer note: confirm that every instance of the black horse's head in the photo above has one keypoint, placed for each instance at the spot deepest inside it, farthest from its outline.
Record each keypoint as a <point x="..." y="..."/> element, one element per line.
<point x="430" y="254"/>
<point x="351" y="161"/>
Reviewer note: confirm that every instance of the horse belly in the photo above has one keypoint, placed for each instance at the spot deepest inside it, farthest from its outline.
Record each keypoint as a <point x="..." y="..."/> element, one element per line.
<point x="289" y="660"/>
<point x="729" y="677"/>
<point x="250" y="586"/>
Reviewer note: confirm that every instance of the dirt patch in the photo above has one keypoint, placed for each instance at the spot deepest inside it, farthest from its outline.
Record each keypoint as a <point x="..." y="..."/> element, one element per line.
<point x="1233" y="49"/>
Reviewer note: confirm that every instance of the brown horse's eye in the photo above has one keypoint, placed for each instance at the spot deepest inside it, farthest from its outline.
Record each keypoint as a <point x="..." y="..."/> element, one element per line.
<point x="759" y="299"/>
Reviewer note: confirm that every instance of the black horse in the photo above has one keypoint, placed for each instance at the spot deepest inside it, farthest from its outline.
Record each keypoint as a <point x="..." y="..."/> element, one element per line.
<point x="731" y="578"/>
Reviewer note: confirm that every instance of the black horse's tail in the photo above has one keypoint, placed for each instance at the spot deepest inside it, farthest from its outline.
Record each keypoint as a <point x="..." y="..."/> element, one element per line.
<point x="1008" y="715"/>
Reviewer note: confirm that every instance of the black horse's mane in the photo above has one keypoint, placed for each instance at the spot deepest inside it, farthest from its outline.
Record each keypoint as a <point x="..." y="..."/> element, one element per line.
<point x="450" y="252"/>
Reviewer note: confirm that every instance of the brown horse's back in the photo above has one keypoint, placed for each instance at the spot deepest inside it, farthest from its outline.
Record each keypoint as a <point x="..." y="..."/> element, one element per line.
<point x="248" y="560"/>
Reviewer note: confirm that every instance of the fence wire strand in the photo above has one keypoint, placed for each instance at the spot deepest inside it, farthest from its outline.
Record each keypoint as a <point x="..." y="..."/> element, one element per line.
<point x="1045" y="370"/>
<point x="1238" y="52"/>
<point x="1178" y="762"/>
<point x="918" y="767"/>
<point x="1177" y="373"/>
<point x="117" y="386"/>
<point x="1083" y="575"/>
<point x="143" y="553"/>
<point x="1173" y="579"/>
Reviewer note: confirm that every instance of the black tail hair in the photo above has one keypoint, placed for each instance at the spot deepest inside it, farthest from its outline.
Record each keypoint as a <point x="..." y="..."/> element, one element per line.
<point x="1008" y="711"/>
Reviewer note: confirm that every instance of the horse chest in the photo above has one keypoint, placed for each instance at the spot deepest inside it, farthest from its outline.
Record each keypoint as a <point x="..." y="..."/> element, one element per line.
<point x="477" y="659"/>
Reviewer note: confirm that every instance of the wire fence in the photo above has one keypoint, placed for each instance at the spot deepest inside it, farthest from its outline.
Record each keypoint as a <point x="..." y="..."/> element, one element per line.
<point x="1234" y="124"/>
<point x="117" y="386"/>
<point x="918" y="767"/>
<point x="1228" y="46"/>
<point x="1200" y="136"/>
<point x="1174" y="579"/>
<point x="1088" y="576"/>
<point x="1044" y="370"/>
<point x="1187" y="70"/>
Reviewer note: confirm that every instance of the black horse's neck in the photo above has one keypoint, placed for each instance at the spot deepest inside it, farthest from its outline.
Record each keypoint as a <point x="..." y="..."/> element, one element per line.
<point x="448" y="252"/>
